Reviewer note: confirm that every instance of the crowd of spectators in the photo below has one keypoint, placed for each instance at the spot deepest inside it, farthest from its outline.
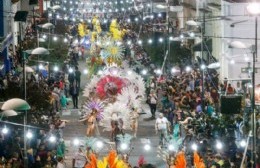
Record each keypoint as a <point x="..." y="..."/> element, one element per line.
<point x="48" y="93"/>
<point x="192" y="101"/>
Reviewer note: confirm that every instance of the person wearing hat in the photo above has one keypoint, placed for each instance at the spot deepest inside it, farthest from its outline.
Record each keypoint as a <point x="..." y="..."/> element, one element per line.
<point x="162" y="127"/>
<point x="79" y="159"/>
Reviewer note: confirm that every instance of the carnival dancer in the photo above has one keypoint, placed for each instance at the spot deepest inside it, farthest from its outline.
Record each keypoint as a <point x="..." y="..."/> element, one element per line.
<point x="134" y="121"/>
<point x="90" y="122"/>
<point x="162" y="127"/>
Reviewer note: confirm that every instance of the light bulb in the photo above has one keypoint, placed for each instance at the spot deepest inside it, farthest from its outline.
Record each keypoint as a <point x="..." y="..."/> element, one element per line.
<point x="194" y="147"/>
<point x="147" y="147"/>
<point x="219" y="145"/>
<point x="99" y="144"/>
<point x="56" y="68"/>
<point x="55" y="38"/>
<point x="52" y="138"/>
<point x="4" y="130"/>
<point x="124" y="146"/>
<point x="29" y="135"/>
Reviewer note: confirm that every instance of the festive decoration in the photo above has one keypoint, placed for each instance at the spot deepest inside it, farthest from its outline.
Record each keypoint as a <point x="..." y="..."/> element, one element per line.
<point x="116" y="112"/>
<point x="114" y="30"/>
<point x="90" y="105"/>
<point x="198" y="161"/>
<point x="82" y="29"/>
<point x="96" y="24"/>
<point x="180" y="161"/>
<point x="111" y="161"/>
<point x="109" y="86"/>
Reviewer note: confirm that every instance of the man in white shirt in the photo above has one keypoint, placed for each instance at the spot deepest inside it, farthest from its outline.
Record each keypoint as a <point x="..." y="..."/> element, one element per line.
<point x="79" y="159"/>
<point x="161" y="127"/>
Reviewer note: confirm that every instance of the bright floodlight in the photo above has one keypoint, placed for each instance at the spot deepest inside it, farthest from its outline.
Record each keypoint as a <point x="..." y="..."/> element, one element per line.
<point x="192" y="34"/>
<point x="243" y="143"/>
<point x="194" y="147"/>
<point x="4" y="130"/>
<point x="147" y="147"/>
<point x="99" y="144"/>
<point x="52" y="138"/>
<point x="29" y="135"/>
<point x="173" y="70"/>
<point x="253" y="8"/>
<point x="158" y="71"/>
<point x="160" y="40"/>
<point x="85" y="71"/>
<point x="76" y="142"/>
<point x="171" y="147"/>
<point x="44" y="36"/>
<point x="232" y="62"/>
<point x="129" y="42"/>
<point x="55" y="38"/>
<point x="56" y="68"/>
<point x="124" y="146"/>
<point x="70" y="70"/>
<point x="144" y="72"/>
<point x="100" y="72"/>
<point x="159" y="15"/>
<point x="219" y="145"/>
<point x="203" y="66"/>
<point x="150" y="41"/>
<point x="188" y="69"/>
<point x="170" y="38"/>
<point x="41" y="67"/>
<point x="65" y="40"/>
<point x="139" y="42"/>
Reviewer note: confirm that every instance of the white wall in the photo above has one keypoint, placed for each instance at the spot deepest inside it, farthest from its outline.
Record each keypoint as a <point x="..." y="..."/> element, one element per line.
<point x="244" y="32"/>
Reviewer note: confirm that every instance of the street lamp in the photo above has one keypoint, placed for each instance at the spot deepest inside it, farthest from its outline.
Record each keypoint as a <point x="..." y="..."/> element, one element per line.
<point x="254" y="9"/>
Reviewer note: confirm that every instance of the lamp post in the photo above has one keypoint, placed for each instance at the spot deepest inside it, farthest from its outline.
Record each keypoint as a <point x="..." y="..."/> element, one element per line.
<point x="254" y="9"/>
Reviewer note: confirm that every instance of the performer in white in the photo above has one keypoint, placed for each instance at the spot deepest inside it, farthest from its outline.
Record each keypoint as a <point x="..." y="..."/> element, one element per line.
<point x="134" y="121"/>
<point x="162" y="126"/>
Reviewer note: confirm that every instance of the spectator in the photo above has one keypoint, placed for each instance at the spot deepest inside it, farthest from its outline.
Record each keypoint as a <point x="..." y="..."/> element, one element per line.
<point x="74" y="92"/>
<point x="79" y="159"/>
<point x="77" y="76"/>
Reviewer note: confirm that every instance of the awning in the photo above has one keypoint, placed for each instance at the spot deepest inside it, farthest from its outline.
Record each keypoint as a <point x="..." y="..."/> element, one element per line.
<point x="206" y="46"/>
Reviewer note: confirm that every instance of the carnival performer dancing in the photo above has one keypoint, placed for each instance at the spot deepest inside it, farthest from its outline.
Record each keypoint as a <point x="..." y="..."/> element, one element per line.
<point x="134" y="121"/>
<point x="90" y="122"/>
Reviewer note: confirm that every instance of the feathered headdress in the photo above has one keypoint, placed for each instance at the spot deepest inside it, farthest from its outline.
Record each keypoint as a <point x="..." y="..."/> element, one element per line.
<point x="91" y="105"/>
<point x="109" y="86"/>
<point x="180" y="161"/>
<point x="117" y="112"/>
<point x="198" y="161"/>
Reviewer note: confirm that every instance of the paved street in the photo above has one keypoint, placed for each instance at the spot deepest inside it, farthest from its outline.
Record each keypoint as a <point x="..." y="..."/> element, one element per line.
<point x="75" y="129"/>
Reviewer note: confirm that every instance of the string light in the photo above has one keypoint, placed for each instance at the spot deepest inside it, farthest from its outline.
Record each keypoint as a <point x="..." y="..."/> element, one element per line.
<point x="85" y="71"/>
<point x="56" y="68"/>
<point x="41" y="67"/>
<point x="5" y="130"/>
<point x="29" y="135"/>
<point x="55" y="38"/>
<point x="192" y="34"/>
